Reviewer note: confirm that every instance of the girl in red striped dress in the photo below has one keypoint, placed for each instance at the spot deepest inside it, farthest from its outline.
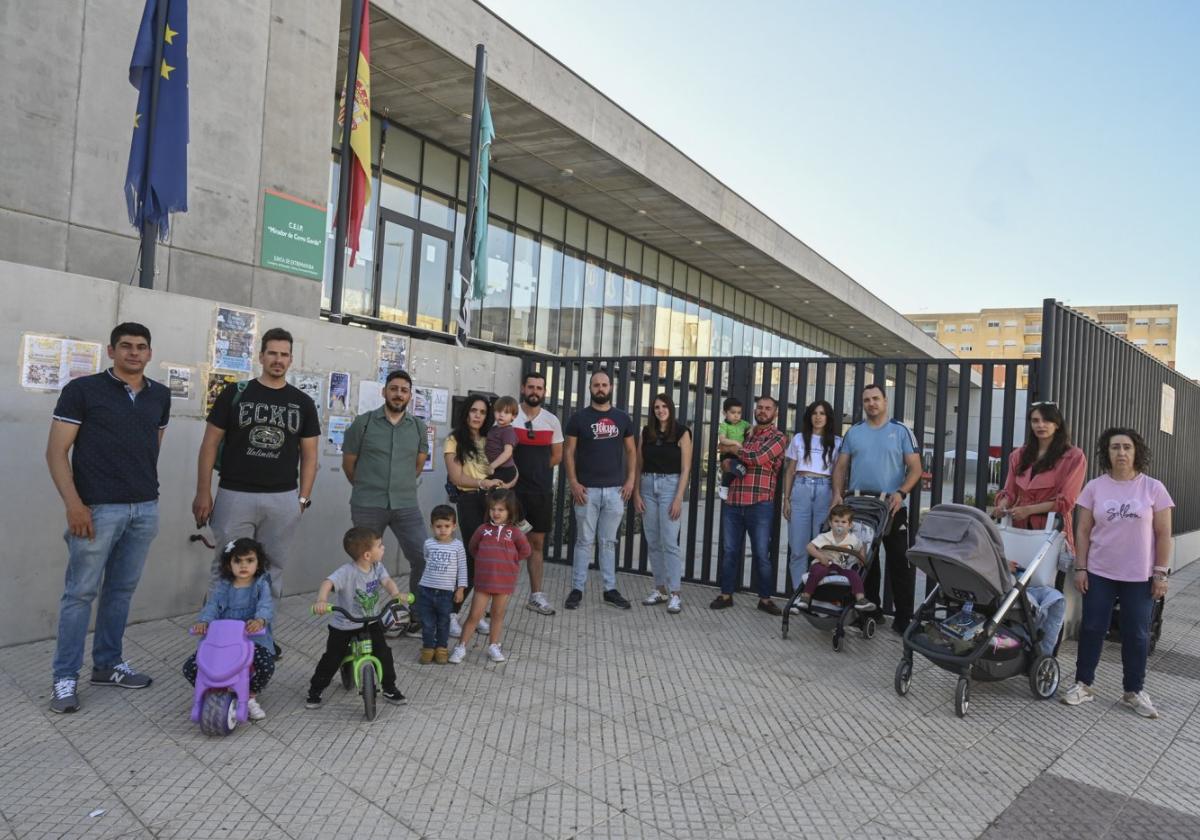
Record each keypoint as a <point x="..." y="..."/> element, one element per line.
<point x="498" y="547"/>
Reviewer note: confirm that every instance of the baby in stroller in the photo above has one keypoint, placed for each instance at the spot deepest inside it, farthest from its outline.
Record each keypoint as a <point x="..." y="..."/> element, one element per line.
<point x="838" y="551"/>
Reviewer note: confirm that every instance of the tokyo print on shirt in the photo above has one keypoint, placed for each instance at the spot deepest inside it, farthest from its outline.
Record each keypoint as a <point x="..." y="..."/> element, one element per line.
<point x="261" y="451"/>
<point x="600" y="448"/>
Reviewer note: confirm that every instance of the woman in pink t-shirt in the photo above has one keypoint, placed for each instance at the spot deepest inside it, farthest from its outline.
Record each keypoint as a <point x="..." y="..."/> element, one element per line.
<point x="1123" y="550"/>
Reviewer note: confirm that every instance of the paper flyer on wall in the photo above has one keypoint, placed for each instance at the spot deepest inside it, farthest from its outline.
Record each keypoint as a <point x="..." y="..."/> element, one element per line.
<point x="179" y="382"/>
<point x="48" y="363"/>
<point x="216" y="384"/>
<point x="431" y="435"/>
<point x="233" y="346"/>
<point x="393" y="355"/>
<point x="339" y="391"/>
<point x="335" y="434"/>
<point x="422" y="399"/>
<point x="370" y="396"/>
<point x="309" y="383"/>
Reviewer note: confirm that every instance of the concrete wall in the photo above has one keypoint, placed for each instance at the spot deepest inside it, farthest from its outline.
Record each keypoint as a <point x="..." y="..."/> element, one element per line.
<point x="32" y="553"/>
<point x="64" y="142"/>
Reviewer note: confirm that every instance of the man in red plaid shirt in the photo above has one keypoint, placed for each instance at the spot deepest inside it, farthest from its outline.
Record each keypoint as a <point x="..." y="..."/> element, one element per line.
<point x="750" y="506"/>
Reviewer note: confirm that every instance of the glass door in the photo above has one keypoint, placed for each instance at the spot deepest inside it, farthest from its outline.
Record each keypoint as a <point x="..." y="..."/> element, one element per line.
<point x="433" y="282"/>
<point x="413" y="283"/>
<point x="394" y="285"/>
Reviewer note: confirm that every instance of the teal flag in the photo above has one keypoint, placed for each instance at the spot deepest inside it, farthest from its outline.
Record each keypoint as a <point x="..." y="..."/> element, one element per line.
<point x="480" y="229"/>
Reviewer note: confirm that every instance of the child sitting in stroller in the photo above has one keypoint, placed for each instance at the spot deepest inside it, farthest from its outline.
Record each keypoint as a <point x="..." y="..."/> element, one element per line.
<point x="837" y="552"/>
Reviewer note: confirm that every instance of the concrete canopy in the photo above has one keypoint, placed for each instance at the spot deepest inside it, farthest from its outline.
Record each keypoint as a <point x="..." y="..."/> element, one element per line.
<point x="558" y="134"/>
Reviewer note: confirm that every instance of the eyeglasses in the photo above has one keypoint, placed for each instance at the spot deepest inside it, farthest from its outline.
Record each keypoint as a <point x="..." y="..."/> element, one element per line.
<point x="529" y="428"/>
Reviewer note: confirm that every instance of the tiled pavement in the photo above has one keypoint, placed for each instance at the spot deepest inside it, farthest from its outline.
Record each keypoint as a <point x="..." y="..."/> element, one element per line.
<point x="608" y="724"/>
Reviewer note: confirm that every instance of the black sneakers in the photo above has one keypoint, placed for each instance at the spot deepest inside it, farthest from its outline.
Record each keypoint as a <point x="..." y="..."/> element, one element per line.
<point x="120" y="675"/>
<point x="313" y="701"/>
<point x="393" y="695"/>
<point x="615" y="599"/>
<point x="574" y="599"/>
<point x="721" y="602"/>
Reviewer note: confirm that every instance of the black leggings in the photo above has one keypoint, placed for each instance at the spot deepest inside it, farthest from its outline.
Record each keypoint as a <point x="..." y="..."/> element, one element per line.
<point x="471" y="515"/>
<point x="335" y="651"/>
<point x="264" y="668"/>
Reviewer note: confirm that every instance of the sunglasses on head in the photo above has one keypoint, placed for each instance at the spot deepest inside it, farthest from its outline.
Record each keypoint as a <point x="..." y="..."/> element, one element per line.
<point x="1044" y="402"/>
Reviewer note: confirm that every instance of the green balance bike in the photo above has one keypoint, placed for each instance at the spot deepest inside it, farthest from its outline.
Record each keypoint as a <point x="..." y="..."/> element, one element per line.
<point x="361" y="668"/>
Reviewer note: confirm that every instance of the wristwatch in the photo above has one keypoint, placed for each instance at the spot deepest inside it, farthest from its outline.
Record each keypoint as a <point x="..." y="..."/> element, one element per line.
<point x="305" y="502"/>
<point x="903" y="493"/>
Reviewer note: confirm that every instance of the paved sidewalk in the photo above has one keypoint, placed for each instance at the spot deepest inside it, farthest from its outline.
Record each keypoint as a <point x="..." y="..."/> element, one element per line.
<point x="612" y="724"/>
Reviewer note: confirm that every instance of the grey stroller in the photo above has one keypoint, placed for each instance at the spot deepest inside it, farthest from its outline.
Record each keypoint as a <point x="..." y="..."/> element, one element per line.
<point x="977" y="621"/>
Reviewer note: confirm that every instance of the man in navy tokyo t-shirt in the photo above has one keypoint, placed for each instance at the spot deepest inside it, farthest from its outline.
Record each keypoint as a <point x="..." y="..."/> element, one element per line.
<point x="601" y="462"/>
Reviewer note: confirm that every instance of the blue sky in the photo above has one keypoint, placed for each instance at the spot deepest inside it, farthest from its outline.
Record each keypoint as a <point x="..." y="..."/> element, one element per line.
<point x="945" y="155"/>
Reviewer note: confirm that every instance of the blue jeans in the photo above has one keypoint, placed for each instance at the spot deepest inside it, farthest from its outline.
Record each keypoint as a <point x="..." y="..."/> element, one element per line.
<point x="738" y="521"/>
<point x="1049" y="612"/>
<point x="433" y="609"/>
<point x="109" y="565"/>
<point x="597" y="521"/>
<point x="811" y="498"/>
<point x="662" y="533"/>
<point x="1136" y="608"/>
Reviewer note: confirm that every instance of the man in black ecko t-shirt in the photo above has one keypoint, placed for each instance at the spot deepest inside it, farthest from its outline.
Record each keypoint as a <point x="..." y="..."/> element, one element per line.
<point x="601" y="462"/>
<point x="268" y="428"/>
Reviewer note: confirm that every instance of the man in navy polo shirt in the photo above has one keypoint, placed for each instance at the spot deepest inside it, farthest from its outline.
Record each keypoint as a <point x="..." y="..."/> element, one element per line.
<point x="111" y="425"/>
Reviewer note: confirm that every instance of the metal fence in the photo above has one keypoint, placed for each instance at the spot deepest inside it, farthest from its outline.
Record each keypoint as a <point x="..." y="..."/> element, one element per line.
<point x="1100" y="379"/>
<point x="967" y="416"/>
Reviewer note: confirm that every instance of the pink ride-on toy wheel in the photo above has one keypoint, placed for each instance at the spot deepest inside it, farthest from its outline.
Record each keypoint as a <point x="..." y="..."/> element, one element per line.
<point x="223" y="664"/>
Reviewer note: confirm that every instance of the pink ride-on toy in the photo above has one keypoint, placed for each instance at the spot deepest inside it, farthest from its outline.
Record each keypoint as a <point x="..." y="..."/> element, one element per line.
<point x="223" y="665"/>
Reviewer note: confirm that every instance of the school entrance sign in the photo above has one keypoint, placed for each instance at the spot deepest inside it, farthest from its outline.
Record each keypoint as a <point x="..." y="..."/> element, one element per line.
<point x="293" y="235"/>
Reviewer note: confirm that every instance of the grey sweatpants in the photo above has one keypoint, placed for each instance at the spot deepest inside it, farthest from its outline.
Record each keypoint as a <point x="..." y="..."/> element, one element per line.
<point x="270" y="518"/>
<point x="410" y="529"/>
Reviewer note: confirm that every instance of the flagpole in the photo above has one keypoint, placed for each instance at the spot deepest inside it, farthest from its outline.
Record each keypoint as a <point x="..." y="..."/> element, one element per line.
<point x="465" y="267"/>
<point x="150" y="229"/>
<point x="343" y="202"/>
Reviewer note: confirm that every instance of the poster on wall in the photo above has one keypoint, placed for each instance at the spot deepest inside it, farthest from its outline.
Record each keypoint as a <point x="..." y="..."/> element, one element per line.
<point x="309" y="383"/>
<point x="430" y="404"/>
<point x="1166" y="410"/>
<point x="370" y="396"/>
<point x="339" y="391"/>
<point x="216" y="384"/>
<point x="48" y="363"/>
<point x="233" y="346"/>
<point x="431" y="435"/>
<point x="179" y="382"/>
<point x="393" y="355"/>
<point x="335" y="434"/>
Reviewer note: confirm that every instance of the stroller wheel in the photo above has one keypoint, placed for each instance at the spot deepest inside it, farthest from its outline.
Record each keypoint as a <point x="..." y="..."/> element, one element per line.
<point x="1043" y="677"/>
<point x="868" y="628"/>
<point x="837" y="642"/>
<point x="903" y="677"/>
<point x="962" y="696"/>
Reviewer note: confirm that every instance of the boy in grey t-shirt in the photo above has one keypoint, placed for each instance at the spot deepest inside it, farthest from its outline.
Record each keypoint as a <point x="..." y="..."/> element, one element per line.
<point x="359" y="588"/>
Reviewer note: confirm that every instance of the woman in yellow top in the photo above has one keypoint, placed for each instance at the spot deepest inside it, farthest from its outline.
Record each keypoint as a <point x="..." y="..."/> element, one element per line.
<point x="469" y="471"/>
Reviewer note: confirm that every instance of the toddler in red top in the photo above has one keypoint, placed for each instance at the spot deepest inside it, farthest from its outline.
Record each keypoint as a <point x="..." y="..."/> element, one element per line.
<point x="498" y="547"/>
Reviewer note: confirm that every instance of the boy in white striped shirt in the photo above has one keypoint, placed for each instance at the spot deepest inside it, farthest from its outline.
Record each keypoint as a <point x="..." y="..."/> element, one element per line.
<point x="441" y="586"/>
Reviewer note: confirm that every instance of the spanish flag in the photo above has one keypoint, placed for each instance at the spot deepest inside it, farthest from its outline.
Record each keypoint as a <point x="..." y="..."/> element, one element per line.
<point x="360" y="139"/>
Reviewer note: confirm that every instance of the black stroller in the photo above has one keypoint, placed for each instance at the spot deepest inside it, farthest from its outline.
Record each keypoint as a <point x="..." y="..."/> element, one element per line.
<point x="832" y="606"/>
<point x="967" y="625"/>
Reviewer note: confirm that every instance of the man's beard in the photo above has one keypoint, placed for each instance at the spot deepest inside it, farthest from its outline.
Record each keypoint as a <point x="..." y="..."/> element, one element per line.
<point x="531" y="400"/>
<point x="398" y="408"/>
<point x="602" y="399"/>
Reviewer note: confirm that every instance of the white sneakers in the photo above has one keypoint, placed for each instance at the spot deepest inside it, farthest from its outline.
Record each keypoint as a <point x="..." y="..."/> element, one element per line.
<point x="675" y="604"/>
<point x="655" y="597"/>
<point x="457" y="655"/>
<point x="455" y="627"/>
<point x="255" y="711"/>
<point x="1078" y="693"/>
<point x="495" y="654"/>
<point x="1139" y="701"/>
<point x="484" y="626"/>
<point x="539" y="604"/>
<point x="460" y="653"/>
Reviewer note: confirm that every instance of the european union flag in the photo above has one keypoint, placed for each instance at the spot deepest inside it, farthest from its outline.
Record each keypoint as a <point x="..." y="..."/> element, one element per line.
<point x="156" y="180"/>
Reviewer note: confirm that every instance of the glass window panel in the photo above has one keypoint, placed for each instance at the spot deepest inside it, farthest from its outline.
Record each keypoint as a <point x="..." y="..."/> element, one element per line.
<point x="679" y="284"/>
<point x="460" y="224"/>
<point x="403" y="153"/>
<point x="523" y="328"/>
<point x="399" y="196"/>
<point x="705" y="332"/>
<point x="706" y="288"/>
<point x="662" y="324"/>
<point x="756" y="346"/>
<point x="493" y="321"/>
<point x="650" y="263"/>
<point x="432" y="277"/>
<point x="464" y="178"/>
<point x="737" y="345"/>
<point x="616" y="247"/>
<point x="502" y="197"/>
<point x="596" y="238"/>
<point x="437" y="210"/>
<point x="630" y="316"/>
<point x="633" y="255"/>
<point x="646" y="327"/>
<point x="693" y="283"/>
<point x="593" y="310"/>
<point x="576" y="230"/>
<point x="678" y="325"/>
<point x="359" y="279"/>
<point x="550" y="276"/>
<point x="572" y="303"/>
<point x="613" y="294"/>
<point x="395" y="272"/>
<point x="691" y="334"/>
<point x="554" y="216"/>
<point x="440" y="169"/>
<point x="666" y="268"/>
<point x="529" y="208"/>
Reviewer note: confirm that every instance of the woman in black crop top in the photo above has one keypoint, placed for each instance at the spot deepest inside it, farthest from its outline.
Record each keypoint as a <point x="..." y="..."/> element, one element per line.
<point x="664" y="464"/>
